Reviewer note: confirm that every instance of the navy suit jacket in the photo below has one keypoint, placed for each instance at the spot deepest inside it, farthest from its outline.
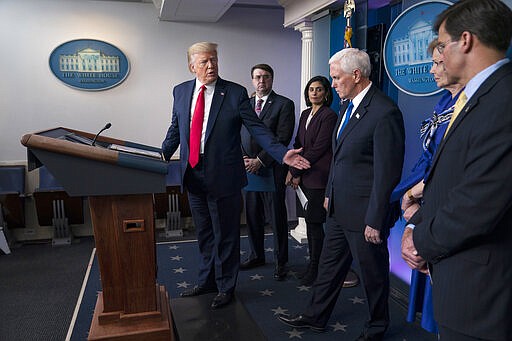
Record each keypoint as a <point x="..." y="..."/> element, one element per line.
<point x="279" y="115"/>
<point x="223" y="162"/>
<point x="465" y="230"/>
<point x="367" y="164"/>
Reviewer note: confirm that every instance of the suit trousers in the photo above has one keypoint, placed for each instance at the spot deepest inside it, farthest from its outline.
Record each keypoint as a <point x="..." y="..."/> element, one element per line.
<point x="340" y="247"/>
<point x="255" y="203"/>
<point x="217" y="223"/>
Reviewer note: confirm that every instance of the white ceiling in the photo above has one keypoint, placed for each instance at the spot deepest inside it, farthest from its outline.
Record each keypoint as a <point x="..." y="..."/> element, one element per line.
<point x="200" y="10"/>
<point x="203" y="10"/>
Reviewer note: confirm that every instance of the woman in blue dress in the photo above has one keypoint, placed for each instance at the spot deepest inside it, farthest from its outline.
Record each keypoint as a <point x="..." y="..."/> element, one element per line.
<point x="411" y="189"/>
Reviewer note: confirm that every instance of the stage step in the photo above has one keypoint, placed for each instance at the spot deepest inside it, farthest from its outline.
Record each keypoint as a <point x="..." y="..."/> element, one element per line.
<point x="195" y="320"/>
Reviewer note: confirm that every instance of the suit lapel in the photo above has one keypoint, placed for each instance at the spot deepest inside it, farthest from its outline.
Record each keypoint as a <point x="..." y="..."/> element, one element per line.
<point x="357" y="115"/>
<point x="487" y="86"/>
<point x="189" y="91"/>
<point x="267" y="106"/>
<point x="218" y="98"/>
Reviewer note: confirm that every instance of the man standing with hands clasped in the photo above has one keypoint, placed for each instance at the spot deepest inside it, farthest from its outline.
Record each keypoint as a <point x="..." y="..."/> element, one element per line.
<point x="278" y="114"/>
<point x="368" y="151"/>
<point x="464" y="227"/>
<point x="207" y="116"/>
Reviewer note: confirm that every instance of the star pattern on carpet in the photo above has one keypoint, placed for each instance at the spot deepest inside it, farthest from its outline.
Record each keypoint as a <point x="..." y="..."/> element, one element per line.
<point x="266" y="292"/>
<point x="295" y="333"/>
<point x="264" y="297"/>
<point x="356" y="300"/>
<point x="183" y="284"/>
<point x="293" y="273"/>
<point x="338" y="326"/>
<point x="303" y="288"/>
<point x="279" y="310"/>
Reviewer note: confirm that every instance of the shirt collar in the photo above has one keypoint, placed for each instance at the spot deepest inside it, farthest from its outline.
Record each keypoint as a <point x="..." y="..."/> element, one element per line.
<point x="359" y="97"/>
<point x="209" y="87"/>
<point x="475" y="82"/>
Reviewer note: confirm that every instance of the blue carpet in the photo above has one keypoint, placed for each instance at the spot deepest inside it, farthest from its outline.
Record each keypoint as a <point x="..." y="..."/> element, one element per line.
<point x="262" y="296"/>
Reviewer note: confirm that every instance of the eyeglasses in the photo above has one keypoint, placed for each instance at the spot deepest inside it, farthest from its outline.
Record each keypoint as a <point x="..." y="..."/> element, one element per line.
<point x="442" y="45"/>
<point x="259" y="77"/>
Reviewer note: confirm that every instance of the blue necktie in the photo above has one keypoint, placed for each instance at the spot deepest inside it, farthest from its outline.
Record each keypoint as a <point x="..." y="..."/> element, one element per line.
<point x="348" y="112"/>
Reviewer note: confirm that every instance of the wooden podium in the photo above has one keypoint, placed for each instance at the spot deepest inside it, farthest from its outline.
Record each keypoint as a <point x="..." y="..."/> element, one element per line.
<point x="119" y="177"/>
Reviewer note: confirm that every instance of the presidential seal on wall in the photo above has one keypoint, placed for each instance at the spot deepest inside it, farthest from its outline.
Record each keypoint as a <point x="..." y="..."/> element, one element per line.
<point x="406" y="60"/>
<point x="88" y="64"/>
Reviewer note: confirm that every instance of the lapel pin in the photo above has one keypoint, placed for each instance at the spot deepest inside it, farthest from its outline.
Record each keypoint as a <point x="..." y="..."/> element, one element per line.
<point x="357" y="116"/>
<point x="222" y="94"/>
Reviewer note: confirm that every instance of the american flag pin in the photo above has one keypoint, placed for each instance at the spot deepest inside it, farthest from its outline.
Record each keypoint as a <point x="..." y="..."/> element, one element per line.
<point x="357" y="116"/>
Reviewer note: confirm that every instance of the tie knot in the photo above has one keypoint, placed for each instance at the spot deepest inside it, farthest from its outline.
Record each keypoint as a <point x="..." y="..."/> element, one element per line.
<point x="202" y="88"/>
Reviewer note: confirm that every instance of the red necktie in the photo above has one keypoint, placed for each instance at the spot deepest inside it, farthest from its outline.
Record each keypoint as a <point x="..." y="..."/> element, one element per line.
<point x="196" y="129"/>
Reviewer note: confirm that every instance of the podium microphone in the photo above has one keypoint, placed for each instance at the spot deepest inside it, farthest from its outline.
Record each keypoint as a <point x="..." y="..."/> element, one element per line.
<point x="107" y="126"/>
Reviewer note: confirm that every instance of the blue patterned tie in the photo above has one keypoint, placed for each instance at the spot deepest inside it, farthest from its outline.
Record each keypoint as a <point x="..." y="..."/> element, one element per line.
<point x="348" y="112"/>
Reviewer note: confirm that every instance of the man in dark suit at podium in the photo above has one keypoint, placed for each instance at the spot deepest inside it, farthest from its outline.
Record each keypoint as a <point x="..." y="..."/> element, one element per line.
<point x="207" y="116"/>
<point x="464" y="228"/>
<point x="278" y="113"/>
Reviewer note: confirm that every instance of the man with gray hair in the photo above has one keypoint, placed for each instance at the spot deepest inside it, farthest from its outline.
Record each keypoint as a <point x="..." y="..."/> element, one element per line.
<point x="368" y="151"/>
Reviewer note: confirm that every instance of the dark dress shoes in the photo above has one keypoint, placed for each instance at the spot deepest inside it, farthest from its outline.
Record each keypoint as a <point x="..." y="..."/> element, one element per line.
<point x="279" y="273"/>
<point x="196" y="291"/>
<point x="351" y="280"/>
<point x="221" y="300"/>
<point x="300" y="321"/>
<point x="252" y="263"/>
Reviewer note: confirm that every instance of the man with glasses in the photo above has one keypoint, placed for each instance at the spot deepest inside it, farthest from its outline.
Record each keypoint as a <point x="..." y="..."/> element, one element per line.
<point x="278" y="114"/>
<point x="463" y="231"/>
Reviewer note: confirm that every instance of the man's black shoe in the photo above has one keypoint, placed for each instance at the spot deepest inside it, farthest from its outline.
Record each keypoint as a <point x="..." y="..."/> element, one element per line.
<point x="299" y="321"/>
<point x="351" y="280"/>
<point x="252" y="263"/>
<point x="196" y="291"/>
<point x="221" y="300"/>
<point x="280" y="273"/>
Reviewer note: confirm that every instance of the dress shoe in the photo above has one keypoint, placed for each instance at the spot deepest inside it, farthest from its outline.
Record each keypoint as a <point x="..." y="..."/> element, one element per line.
<point x="221" y="300"/>
<point x="300" y="321"/>
<point x="196" y="291"/>
<point x="309" y="278"/>
<point x="351" y="280"/>
<point x="280" y="273"/>
<point x="252" y="263"/>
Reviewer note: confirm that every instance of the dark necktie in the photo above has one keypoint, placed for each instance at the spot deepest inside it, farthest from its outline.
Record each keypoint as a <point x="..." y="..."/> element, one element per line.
<point x="196" y="129"/>
<point x="258" y="106"/>
<point x="348" y="112"/>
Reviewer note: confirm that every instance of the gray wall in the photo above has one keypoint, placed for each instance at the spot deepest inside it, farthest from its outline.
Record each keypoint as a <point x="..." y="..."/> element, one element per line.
<point x="32" y="99"/>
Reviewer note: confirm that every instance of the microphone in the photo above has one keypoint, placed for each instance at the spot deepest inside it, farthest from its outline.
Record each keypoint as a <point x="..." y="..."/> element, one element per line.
<point x="107" y="126"/>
